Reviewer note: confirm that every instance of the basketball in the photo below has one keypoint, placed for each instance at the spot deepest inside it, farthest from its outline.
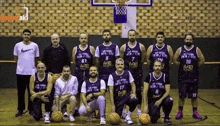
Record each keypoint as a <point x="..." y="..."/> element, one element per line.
<point x="114" y="118"/>
<point x="144" y="119"/>
<point x="57" y="116"/>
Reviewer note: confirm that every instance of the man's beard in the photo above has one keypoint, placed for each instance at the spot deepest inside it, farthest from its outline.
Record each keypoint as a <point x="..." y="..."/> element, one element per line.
<point x="107" y="39"/>
<point x="188" y="44"/>
<point x="132" y="40"/>
<point x="94" y="76"/>
<point x="66" y="76"/>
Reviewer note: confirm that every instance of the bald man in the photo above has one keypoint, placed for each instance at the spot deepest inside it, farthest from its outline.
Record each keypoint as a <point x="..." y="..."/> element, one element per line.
<point x="83" y="58"/>
<point x="40" y="89"/>
<point x="55" y="56"/>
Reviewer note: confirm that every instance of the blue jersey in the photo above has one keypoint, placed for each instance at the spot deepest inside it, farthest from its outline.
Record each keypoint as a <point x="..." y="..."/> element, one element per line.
<point x="92" y="87"/>
<point x="107" y="57"/>
<point x="84" y="59"/>
<point x="157" y="85"/>
<point x="132" y="58"/>
<point x="162" y="55"/>
<point x="121" y="84"/>
<point x="40" y="85"/>
<point x="188" y="68"/>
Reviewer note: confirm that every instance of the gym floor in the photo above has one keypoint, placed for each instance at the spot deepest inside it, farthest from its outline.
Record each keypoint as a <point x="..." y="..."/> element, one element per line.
<point x="209" y="108"/>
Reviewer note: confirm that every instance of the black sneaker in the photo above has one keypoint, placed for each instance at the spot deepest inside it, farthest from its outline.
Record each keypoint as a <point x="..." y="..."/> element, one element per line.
<point x="20" y="113"/>
<point x="167" y="122"/>
<point x="76" y="113"/>
<point x="31" y="113"/>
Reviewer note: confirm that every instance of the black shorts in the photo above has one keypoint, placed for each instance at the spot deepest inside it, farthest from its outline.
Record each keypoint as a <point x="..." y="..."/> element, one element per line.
<point x="189" y="89"/>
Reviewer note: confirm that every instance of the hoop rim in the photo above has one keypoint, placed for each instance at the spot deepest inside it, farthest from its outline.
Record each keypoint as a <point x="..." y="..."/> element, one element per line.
<point x="118" y="3"/>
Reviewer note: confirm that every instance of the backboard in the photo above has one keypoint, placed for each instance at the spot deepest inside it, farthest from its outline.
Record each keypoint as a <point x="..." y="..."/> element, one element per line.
<point x="131" y="4"/>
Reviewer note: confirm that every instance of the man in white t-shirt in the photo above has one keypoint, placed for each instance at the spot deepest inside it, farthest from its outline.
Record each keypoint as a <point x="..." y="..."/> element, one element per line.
<point x="92" y="94"/>
<point x="66" y="88"/>
<point x="25" y="54"/>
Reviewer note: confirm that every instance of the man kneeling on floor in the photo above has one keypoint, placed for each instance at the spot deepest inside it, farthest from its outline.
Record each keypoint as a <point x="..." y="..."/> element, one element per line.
<point x="92" y="94"/>
<point x="40" y="88"/>
<point x="66" y="88"/>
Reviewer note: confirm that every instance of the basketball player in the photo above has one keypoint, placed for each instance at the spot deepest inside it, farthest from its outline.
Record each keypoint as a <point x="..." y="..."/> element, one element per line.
<point x="160" y="51"/>
<point x="133" y="54"/>
<point x="40" y="89"/>
<point x="156" y="94"/>
<point x="66" y="88"/>
<point x="55" y="56"/>
<point x="106" y="54"/>
<point x="83" y="58"/>
<point x="120" y="83"/>
<point x="92" y="94"/>
<point x="189" y="58"/>
<point x="26" y="53"/>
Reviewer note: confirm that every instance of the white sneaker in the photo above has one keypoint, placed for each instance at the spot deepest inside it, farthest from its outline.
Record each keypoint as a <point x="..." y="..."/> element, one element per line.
<point x="124" y="114"/>
<point x="65" y="116"/>
<point x="128" y="120"/>
<point x="72" y="119"/>
<point x="138" y="113"/>
<point x="46" y="119"/>
<point x="102" y="121"/>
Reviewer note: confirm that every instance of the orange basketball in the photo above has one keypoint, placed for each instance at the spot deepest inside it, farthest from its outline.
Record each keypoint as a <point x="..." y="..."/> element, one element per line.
<point x="114" y="118"/>
<point x="57" y="116"/>
<point x="144" y="119"/>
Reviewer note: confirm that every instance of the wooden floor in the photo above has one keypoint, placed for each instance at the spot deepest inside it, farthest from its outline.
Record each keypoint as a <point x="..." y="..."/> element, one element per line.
<point x="209" y="106"/>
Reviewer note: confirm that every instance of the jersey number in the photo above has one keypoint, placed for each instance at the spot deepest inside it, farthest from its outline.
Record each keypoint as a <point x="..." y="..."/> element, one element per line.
<point x="84" y="61"/>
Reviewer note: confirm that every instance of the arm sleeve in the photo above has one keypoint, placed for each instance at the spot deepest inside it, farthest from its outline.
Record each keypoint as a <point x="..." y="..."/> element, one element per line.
<point x="15" y="52"/>
<point x="147" y="79"/>
<point x="167" y="79"/>
<point x="83" y="89"/>
<point x="75" y="90"/>
<point x="103" y="85"/>
<point x="57" y="90"/>
<point x="97" y="51"/>
<point x="131" y="79"/>
<point x="37" y="52"/>
<point x="117" y="51"/>
<point x="110" y="80"/>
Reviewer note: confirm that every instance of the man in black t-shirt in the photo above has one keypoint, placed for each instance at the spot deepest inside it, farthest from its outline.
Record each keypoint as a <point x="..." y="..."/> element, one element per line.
<point x="56" y="56"/>
<point x="156" y="94"/>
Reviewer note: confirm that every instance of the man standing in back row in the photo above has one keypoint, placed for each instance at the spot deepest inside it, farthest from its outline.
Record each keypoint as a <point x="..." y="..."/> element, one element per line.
<point x="133" y="54"/>
<point x="106" y="54"/>
<point x="83" y="58"/>
<point x="160" y="51"/>
<point x="56" y="56"/>
<point x="189" y="58"/>
<point x="26" y="53"/>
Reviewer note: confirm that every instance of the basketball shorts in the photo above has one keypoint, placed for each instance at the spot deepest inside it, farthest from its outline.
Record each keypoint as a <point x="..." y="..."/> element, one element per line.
<point x="189" y="89"/>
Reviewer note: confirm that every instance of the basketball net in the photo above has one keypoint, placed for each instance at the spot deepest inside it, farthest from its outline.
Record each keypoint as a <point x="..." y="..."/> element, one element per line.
<point x="121" y="6"/>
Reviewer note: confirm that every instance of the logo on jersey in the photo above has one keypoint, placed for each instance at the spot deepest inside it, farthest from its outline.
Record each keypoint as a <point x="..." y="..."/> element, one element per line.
<point x="25" y="50"/>
<point x="107" y="52"/>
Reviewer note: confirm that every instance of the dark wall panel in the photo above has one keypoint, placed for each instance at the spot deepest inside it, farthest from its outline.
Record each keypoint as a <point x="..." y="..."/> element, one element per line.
<point x="209" y="74"/>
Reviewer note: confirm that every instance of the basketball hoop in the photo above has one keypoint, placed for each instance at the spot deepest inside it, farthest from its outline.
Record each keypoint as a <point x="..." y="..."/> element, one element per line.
<point x="120" y="11"/>
<point x="121" y="6"/>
